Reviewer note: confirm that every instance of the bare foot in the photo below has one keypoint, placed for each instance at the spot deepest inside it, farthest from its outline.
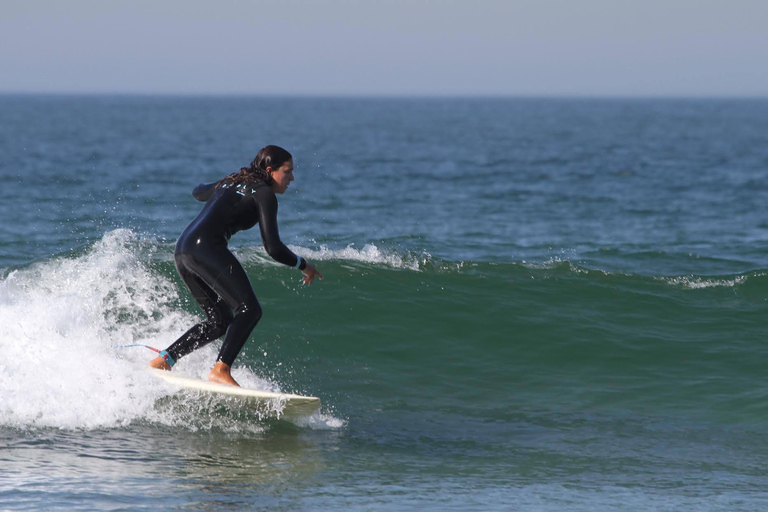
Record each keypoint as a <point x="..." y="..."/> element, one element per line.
<point x="160" y="364"/>
<point x="220" y="374"/>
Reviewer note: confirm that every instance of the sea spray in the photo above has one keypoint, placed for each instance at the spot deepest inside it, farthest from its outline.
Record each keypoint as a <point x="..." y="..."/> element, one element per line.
<point x="67" y="323"/>
<point x="59" y="330"/>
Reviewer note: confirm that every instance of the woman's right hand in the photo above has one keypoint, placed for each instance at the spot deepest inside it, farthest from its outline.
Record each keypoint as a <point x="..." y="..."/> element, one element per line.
<point x="310" y="271"/>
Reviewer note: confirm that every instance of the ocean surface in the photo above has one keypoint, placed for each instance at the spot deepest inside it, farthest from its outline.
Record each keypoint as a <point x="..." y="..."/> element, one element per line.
<point x="528" y="304"/>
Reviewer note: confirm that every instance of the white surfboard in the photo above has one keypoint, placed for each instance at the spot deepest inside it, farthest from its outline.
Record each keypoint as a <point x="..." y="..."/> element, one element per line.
<point x="281" y="404"/>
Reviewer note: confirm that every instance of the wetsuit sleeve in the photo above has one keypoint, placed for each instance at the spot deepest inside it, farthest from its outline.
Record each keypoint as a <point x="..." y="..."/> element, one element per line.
<point x="267" y="205"/>
<point x="204" y="190"/>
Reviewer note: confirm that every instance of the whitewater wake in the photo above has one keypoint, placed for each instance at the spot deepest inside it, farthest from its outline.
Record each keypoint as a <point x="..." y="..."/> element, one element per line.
<point x="65" y="322"/>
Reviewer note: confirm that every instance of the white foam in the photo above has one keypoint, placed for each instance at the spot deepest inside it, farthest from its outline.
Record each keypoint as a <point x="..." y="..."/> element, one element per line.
<point x="697" y="283"/>
<point x="556" y="262"/>
<point x="63" y="320"/>
<point x="319" y="421"/>
<point x="369" y="254"/>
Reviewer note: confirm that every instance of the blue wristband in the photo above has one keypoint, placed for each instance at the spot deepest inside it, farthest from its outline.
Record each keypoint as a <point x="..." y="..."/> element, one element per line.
<point x="167" y="358"/>
<point x="298" y="262"/>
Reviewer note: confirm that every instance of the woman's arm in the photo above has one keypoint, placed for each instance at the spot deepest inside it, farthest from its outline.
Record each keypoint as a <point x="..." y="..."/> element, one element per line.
<point x="267" y="204"/>
<point x="204" y="190"/>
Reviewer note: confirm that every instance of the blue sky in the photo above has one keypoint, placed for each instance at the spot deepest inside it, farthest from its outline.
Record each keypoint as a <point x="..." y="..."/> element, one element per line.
<point x="387" y="47"/>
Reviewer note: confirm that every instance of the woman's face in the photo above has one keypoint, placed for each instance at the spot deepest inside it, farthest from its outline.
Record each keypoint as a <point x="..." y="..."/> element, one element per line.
<point x="283" y="176"/>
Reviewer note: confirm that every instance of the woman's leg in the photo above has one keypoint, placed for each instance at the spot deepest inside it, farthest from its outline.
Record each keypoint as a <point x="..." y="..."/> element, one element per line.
<point x="231" y="283"/>
<point x="220" y="285"/>
<point x="219" y="270"/>
<point x="218" y="316"/>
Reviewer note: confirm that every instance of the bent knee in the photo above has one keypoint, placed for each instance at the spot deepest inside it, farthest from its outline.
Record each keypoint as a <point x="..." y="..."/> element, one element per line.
<point x="219" y="329"/>
<point x="250" y="311"/>
<point x="220" y="323"/>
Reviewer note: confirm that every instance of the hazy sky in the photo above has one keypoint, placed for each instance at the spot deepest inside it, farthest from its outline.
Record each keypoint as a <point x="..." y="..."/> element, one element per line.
<point x="387" y="47"/>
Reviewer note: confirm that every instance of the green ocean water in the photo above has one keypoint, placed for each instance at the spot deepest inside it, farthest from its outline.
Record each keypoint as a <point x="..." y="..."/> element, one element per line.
<point x="527" y="305"/>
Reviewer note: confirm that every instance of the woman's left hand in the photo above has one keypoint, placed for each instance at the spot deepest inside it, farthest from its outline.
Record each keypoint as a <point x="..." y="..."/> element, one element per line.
<point x="309" y="274"/>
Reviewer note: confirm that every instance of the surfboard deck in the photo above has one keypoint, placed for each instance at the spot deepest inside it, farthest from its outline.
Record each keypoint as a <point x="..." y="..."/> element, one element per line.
<point x="294" y="406"/>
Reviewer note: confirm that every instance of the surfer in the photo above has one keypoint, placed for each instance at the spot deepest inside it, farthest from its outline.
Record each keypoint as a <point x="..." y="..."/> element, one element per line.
<point x="216" y="279"/>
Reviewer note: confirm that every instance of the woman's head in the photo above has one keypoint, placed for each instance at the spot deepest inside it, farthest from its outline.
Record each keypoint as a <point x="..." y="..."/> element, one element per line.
<point x="277" y="164"/>
<point x="272" y="164"/>
<point x="270" y="156"/>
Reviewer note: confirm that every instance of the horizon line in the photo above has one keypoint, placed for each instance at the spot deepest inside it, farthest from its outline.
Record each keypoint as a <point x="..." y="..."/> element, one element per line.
<point x="403" y="96"/>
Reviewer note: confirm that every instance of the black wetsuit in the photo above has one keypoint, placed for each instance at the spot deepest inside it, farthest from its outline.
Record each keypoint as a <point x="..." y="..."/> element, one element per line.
<point x="212" y="273"/>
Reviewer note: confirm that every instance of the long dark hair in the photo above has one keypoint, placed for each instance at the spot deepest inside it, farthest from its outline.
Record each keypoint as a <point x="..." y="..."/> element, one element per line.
<point x="268" y="156"/>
